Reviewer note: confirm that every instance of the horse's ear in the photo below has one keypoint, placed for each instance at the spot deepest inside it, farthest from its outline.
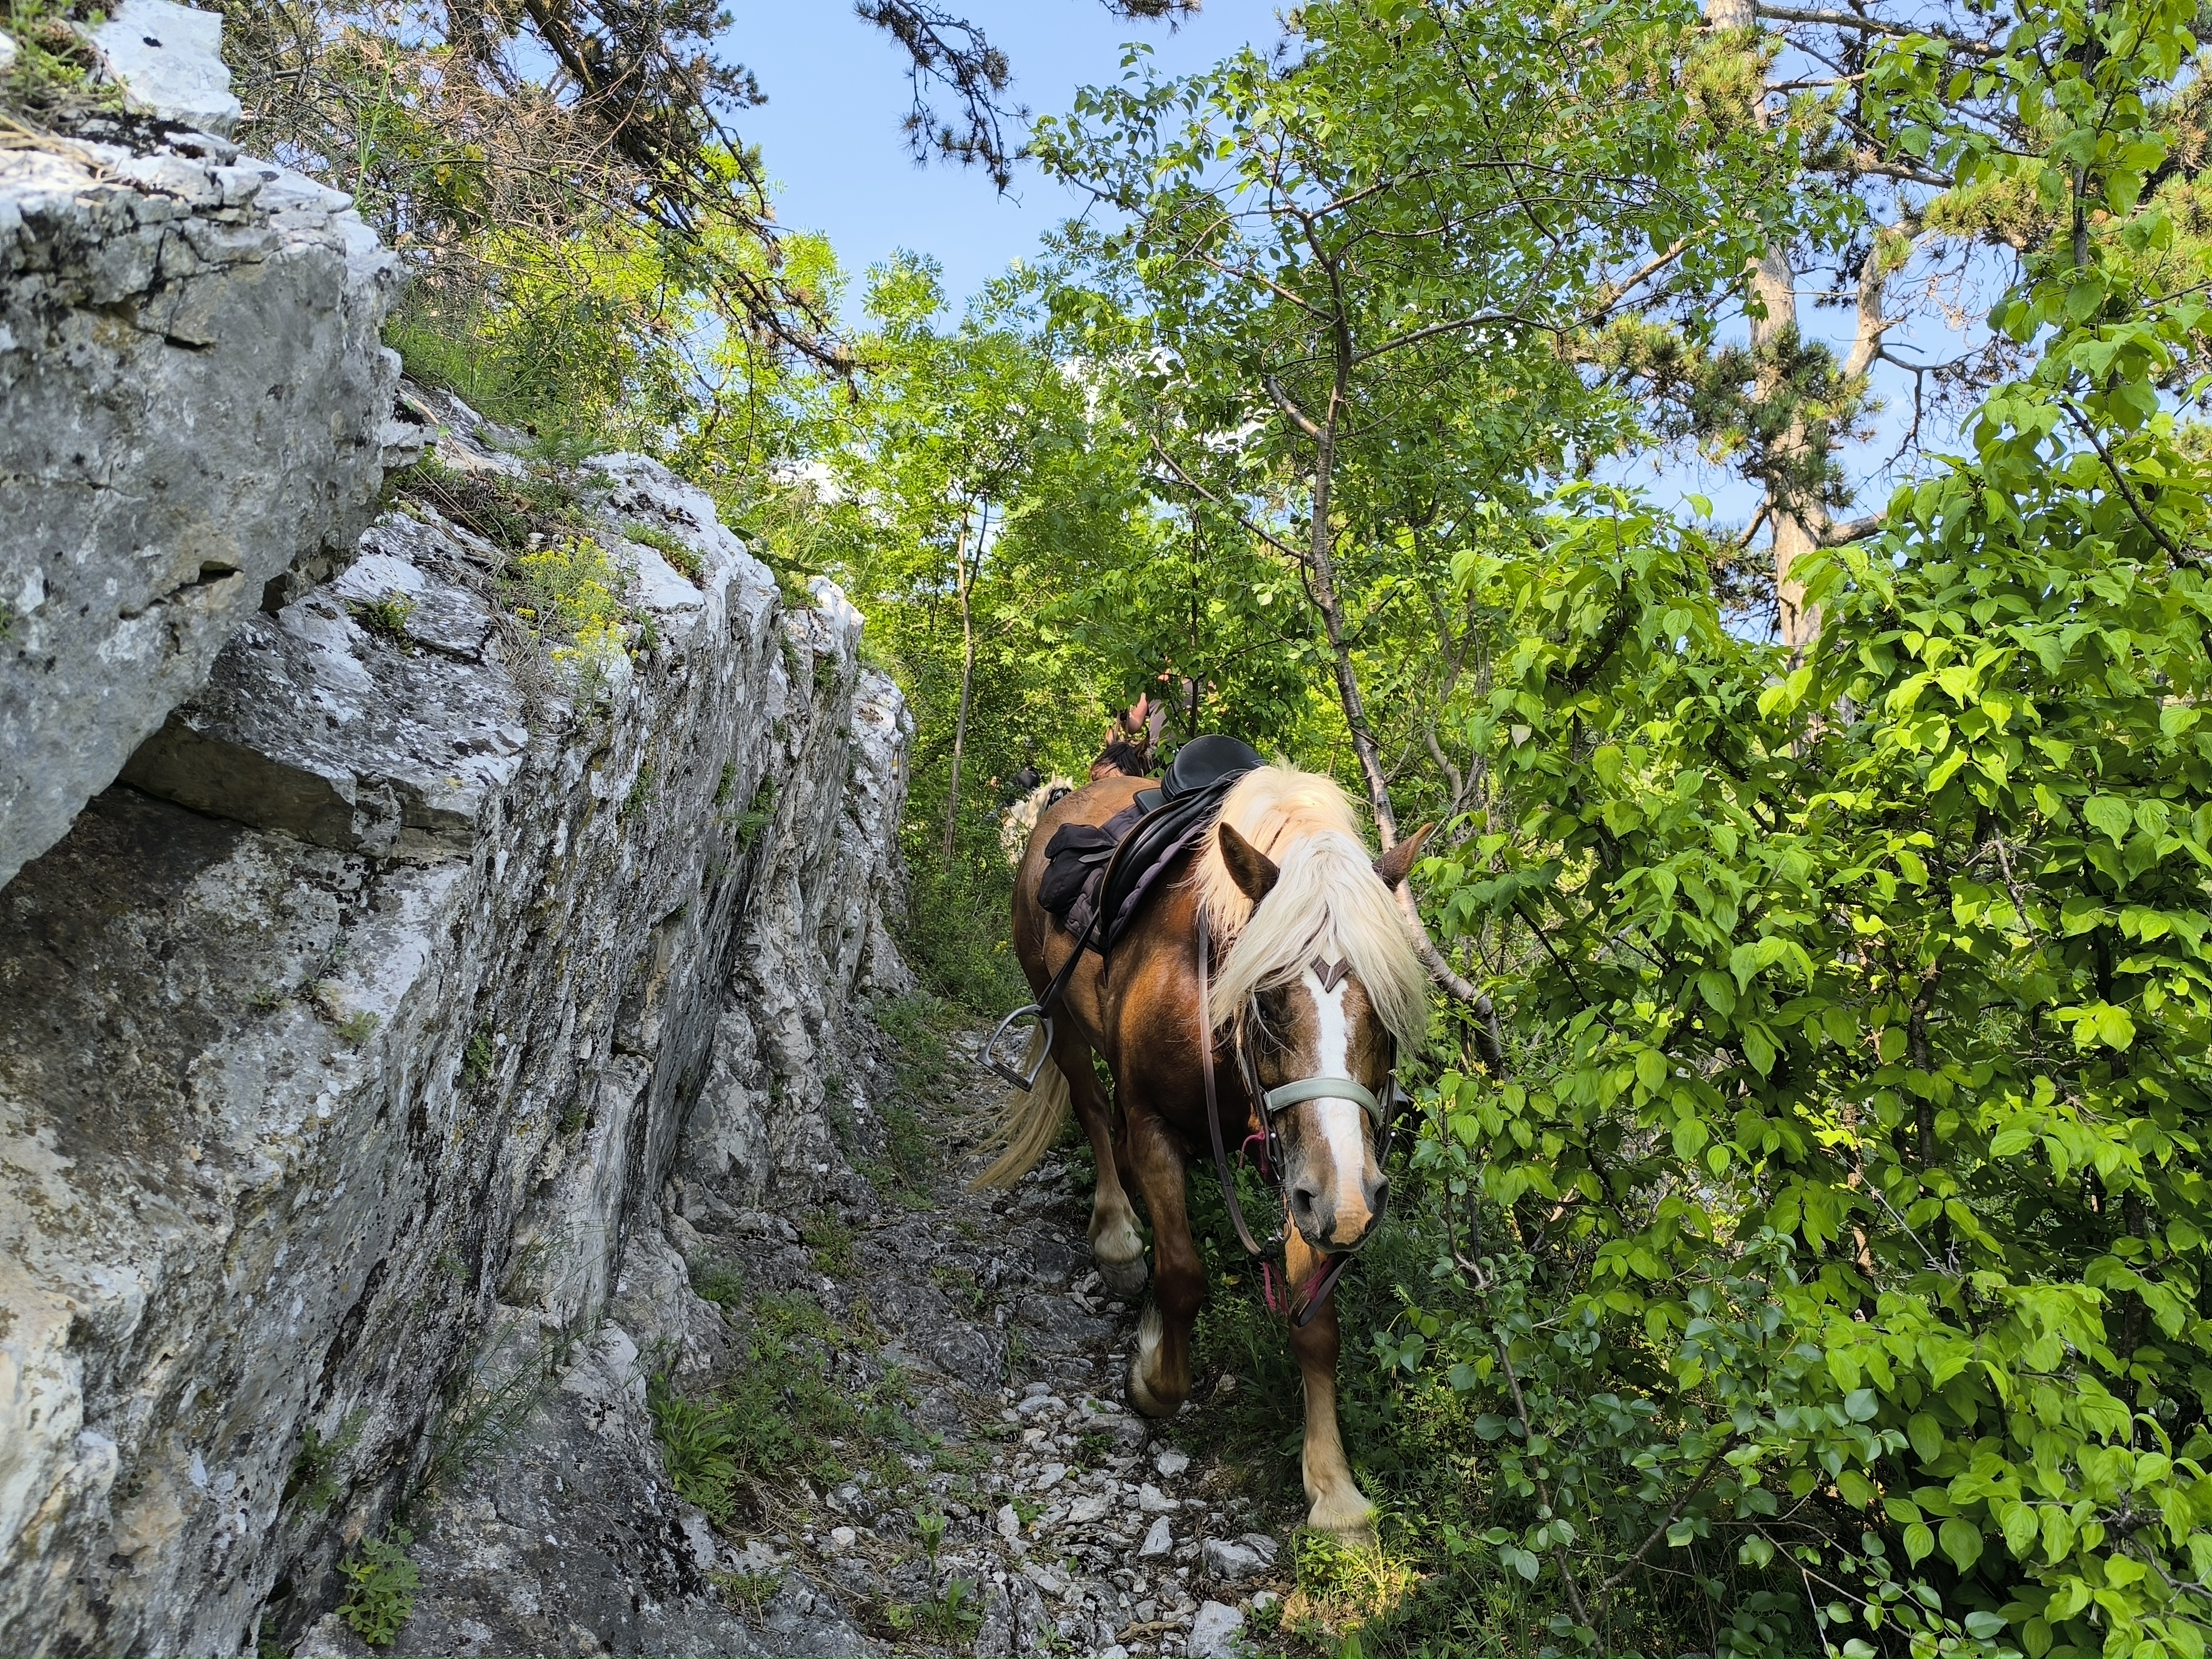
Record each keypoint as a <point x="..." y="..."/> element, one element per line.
<point x="1252" y="870"/>
<point x="1394" y="865"/>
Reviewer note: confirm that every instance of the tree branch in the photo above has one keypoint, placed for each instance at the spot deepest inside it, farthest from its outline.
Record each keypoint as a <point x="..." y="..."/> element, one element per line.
<point x="1660" y="1531"/>
<point x="2120" y="478"/>
<point x="1864" y="25"/>
<point x="1204" y="494"/>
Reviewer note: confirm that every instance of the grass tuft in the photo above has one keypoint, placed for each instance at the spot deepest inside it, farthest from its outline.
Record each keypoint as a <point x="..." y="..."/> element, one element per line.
<point x="780" y="1414"/>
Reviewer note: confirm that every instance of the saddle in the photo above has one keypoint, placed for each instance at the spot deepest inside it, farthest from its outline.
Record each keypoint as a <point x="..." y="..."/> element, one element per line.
<point x="1097" y="877"/>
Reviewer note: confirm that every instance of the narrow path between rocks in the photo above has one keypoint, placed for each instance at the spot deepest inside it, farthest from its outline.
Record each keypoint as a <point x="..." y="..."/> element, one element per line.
<point x="1070" y="1523"/>
<point x="890" y="1411"/>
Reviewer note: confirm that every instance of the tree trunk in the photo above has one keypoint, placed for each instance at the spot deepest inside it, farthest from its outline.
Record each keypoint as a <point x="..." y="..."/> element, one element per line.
<point x="1323" y="552"/>
<point x="961" y="581"/>
<point x="1489" y="1037"/>
<point x="1801" y="525"/>
<point x="1798" y="524"/>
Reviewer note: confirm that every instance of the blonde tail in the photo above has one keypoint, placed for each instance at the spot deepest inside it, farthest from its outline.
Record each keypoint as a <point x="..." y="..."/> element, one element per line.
<point x="1032" y="1122"/>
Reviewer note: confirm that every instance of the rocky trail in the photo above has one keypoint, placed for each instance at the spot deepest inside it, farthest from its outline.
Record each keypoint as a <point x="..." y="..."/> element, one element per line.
<point x="901" y="1404"/>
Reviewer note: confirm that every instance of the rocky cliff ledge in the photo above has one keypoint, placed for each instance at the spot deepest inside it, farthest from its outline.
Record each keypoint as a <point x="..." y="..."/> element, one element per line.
<point x="348" y="1046"/>
<point x="193" y="401"/>
<point x="367" y="1019"/>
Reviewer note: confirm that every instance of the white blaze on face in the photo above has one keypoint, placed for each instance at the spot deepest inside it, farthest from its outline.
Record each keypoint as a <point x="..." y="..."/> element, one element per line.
<point x="1339" y="1119"/>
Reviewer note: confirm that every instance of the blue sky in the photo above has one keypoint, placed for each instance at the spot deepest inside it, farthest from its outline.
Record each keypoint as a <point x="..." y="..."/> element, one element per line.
<point x="836" y="90"/>
<point x="829" y="136"/>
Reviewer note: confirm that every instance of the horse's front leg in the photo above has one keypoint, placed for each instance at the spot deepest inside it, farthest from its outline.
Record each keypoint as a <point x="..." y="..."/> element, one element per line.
<point x="1117" y="1249"/>
<point x="1159" y="1369"/>
<point x="1339" y="1507"/>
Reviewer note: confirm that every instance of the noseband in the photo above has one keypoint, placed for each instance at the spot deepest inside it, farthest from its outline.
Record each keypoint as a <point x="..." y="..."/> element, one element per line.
<point x="1271" y="1102"/>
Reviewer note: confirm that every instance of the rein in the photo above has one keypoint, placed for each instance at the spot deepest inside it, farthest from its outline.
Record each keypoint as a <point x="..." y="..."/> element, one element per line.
<point x="1271" y="1101"/>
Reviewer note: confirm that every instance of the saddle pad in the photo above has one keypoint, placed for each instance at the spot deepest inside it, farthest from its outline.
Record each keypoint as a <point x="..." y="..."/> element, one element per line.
<point x="1075" y="861"/>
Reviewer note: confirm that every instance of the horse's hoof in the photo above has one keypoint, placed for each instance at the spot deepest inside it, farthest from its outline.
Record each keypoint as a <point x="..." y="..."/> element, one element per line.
<point x="1124" y="1278"/>
<point x="1350" y="1523"/>
<point x="1141" y="1396"/>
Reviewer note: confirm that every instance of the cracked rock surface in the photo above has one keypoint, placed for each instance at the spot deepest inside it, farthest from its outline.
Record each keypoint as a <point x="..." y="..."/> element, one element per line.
<point x="193" y="400"/>
<point x="348" y="1050"/>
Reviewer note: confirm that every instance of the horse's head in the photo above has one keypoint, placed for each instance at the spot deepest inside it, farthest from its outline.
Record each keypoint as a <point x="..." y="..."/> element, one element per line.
<point x="1318" y="1050"/>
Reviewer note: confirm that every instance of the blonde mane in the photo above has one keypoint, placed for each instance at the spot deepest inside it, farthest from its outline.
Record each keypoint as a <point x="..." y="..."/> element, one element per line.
<point x="1327" y="902"/>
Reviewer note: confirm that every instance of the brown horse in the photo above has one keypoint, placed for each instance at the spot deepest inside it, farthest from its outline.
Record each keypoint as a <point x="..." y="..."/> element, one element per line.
<point x="1314" y="979"/>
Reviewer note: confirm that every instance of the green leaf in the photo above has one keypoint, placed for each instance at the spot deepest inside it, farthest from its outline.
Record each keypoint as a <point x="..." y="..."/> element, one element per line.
<point x="1718" y="991"/>
<point x="2114" y="1029"/>
<point x="1919" y="1542"/>
<point x="1961" y="1541"/>
<point x="2057" y="1533"/>
<point x="1758" y="1049"/>
<point x="2109" y="814"/>
<point x="1926" y="1435"/>
<point x="1651" y="1070"/>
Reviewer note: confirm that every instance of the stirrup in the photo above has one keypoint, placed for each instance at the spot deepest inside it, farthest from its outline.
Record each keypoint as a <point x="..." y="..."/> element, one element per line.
<point x="1012" y="1073"/>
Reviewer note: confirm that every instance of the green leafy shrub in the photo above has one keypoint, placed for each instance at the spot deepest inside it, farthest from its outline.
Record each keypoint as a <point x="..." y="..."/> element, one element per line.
<point x="476" y="1059"/>
<point x="746" y="826"/>
<point x="315" y="1477"/>
<point x="572" y="594"/>
<point x="381" y="1580"/>
<point x="55" y="76"/>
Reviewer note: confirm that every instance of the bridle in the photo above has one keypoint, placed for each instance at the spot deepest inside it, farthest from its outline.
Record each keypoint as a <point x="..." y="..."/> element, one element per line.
<point x="1269" y="1102"/>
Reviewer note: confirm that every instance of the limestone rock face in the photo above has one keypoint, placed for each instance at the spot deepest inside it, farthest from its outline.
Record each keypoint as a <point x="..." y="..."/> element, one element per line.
<point x="352" y="1040"/>
<point x="194" y="399"/>
<point x="168" y="60"/>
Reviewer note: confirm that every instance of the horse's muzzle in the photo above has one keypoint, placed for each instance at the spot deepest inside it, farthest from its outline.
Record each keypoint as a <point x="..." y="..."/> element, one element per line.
<point x="1328" y="1224"/>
